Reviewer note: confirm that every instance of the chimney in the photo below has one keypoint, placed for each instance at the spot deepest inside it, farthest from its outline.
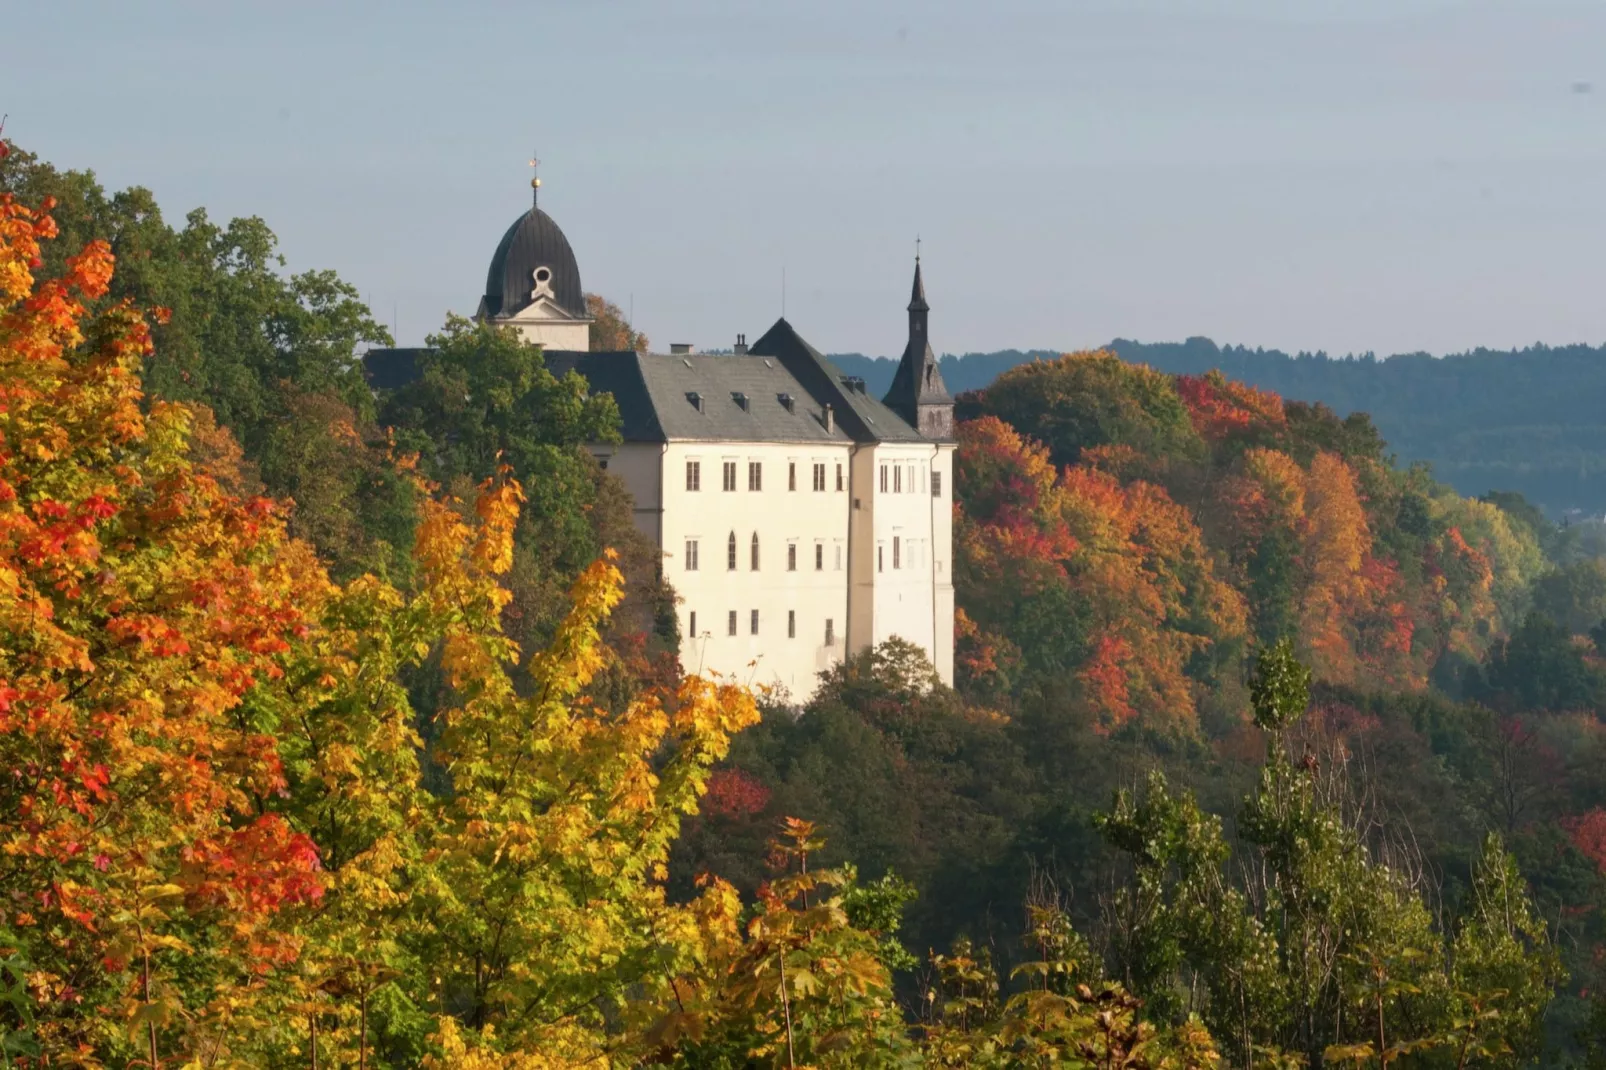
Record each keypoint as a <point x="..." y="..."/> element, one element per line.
<point x="741" y="345"/>
<point x="681" y="349"/>
<point x="830" y="419"/>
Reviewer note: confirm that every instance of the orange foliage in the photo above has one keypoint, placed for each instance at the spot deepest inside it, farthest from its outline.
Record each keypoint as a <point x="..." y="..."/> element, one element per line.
<point x="1129" y="557"/>
<point x="1221" y="408"/>
<point x="141" y="604"/>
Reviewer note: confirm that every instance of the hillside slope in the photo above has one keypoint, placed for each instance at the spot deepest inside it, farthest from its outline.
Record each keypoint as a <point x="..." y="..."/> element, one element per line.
<point x="1530" y="421"/>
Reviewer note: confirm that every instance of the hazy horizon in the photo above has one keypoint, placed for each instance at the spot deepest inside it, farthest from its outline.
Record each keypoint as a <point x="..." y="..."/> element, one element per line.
<point x="1386" y="175"/>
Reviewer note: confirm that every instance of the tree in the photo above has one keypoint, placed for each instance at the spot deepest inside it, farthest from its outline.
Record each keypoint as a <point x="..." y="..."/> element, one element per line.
<point x="222" y="844"/>
<point x="143" y="607"/>
<point x="1331" y="952"/>
<point x="275" y="357"/>
<point x="484" y="399"/>
<point x="610" y="329"/>
<point x="1085" y="400"/>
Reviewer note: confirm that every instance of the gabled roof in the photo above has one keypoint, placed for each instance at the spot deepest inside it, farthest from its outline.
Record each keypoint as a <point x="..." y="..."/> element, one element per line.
<point x="859" y="414"/>
<point x="654" y="395"/>
<point x="776" y="392"/>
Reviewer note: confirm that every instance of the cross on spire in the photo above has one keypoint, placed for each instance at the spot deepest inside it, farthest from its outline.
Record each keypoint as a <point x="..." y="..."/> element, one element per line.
<point x="535" y="180"/>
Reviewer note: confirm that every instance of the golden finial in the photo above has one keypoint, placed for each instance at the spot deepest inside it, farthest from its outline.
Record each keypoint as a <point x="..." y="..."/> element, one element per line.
<point x="535" y="180"/>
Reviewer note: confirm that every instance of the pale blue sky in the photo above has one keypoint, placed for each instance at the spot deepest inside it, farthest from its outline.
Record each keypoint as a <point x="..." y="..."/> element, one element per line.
<point x="1338" y="174"/>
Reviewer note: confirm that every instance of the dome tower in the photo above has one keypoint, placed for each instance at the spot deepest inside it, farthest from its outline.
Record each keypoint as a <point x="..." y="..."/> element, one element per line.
<point x="534" y="283"/>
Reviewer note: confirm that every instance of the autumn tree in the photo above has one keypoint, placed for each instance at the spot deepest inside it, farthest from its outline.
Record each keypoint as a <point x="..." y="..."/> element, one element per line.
<point x="275" y="356"/>
<point x="143" y="609"/>
<point x="610" y="328"/>
<point x="222" y="845"/>
<point x="483" y="399"/>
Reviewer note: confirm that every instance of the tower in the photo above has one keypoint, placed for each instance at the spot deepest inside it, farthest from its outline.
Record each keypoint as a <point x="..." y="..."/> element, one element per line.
<point x="534" y="283"/>
<point x="918" y="393"/>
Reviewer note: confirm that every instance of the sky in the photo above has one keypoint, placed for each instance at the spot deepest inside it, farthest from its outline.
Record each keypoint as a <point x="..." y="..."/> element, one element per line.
<point x="1342" y="175"/>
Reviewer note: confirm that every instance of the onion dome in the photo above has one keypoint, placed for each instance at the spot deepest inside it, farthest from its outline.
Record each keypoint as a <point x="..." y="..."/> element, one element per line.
<point x="533" y="259"/>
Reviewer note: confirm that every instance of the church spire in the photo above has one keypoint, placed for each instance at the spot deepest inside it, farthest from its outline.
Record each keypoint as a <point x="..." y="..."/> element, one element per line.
<point x="918" y="393"/>
<point x="917" y="299"/>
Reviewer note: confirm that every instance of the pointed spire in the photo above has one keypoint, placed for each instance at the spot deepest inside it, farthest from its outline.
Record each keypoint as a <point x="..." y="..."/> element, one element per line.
<point x="917" y="297"/>
<point x="918" y="393"/>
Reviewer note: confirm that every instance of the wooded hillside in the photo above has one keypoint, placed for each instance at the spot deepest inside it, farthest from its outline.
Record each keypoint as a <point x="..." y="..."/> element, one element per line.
<point x="1528" y="421"/>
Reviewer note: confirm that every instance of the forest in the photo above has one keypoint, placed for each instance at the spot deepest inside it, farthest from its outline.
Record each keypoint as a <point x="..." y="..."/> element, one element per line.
<point x="346" y="729"/>
<point x="1521" y="421"/>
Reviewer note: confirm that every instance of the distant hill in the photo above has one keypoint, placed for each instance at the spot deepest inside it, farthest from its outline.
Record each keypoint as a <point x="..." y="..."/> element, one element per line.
<point x="1530" y="420"/>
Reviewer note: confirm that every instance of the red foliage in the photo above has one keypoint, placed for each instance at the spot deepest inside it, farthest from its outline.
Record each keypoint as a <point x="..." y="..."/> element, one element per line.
<point x="1221" y="408"/>
<point x="1588" y="833"/>
<point x="735" y="795"/>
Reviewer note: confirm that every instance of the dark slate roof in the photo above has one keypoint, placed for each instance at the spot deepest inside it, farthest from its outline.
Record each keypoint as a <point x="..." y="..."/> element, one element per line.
<point x="917" y="297"/>
<point x="857" y="413"/>
<point x="652" y="393"/>
<point x="533" y="241"/>
<point x="917" y="384"/>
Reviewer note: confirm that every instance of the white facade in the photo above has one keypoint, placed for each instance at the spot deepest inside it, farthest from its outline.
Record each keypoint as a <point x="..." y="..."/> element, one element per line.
<point x="544" y="322"/>
<point x="903" y="540"/>
<point x="785" y="557"/>
<point x="800" y="520"/>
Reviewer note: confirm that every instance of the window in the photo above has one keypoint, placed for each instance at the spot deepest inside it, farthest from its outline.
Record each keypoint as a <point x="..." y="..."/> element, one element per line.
<point x="752" y="623"/>
<point x="839" y="477"/>
<point x="791" y="624"/>
<point x="897" y="479"/>
<point x="730" y="475"/>
<point x="730" y="553"/>
<point x="603" y="461"/>
<point x="922" y="477"/>
<point x="791" y="475"/>
<point x="691" y="555"/>
<point x="830" y="632"/>
<point x="896" y="542"/>
<point x="755" y="475"/>
<point x="791" y="557"/>
<point x="730" y="623"/>
<point x="936" y="484"/>
<point x="693" y="632"/>
<point x="911" y="479"/>
<point x="883" y="479"/>
<point x="694" y="475"/>
<point x="880" y="558"/>
<point x="819" y="477"/>
<point x="819" y="556"/>
<point x="752" y="553"/>
<point x="839" y="557"/>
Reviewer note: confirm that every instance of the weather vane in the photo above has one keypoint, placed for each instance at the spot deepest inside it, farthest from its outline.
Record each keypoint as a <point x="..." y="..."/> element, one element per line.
<point x="917" y="248"/>
<point x="535" y="180"/>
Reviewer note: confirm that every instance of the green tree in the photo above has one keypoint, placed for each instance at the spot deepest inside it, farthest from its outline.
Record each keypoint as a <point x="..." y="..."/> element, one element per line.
<point x="275" y="357"/>
<point x="484" y="400"/>
<point x="1083" y="400"/>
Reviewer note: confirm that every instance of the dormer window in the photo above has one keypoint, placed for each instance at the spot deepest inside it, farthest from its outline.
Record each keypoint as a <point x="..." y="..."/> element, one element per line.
<point x="696" y="400"/>
<point x="788" y="402"/>
<point x="740" y="399"/>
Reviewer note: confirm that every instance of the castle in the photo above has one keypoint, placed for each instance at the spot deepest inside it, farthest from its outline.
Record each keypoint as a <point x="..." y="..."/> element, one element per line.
<point x="799" y="518"/>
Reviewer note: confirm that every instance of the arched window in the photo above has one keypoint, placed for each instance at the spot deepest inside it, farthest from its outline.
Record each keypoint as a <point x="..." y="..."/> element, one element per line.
<point x="753" y="553"/>
<point x="730" y="552"/>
